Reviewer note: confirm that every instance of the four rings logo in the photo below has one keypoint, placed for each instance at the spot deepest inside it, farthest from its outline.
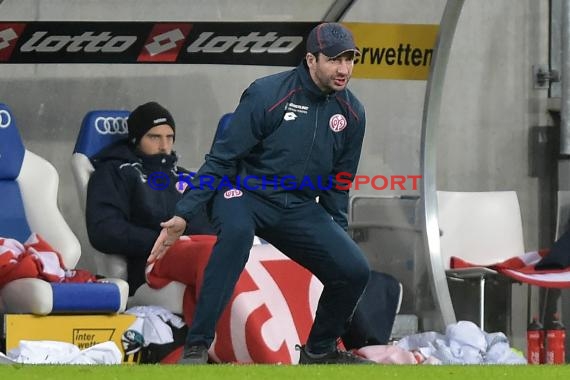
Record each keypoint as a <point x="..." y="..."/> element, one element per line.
<point x="111" y="125"/>
<point x="5" y="119"/>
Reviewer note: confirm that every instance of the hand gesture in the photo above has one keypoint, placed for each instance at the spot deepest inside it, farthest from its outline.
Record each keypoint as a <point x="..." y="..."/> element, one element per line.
<point x="172" y="229"/>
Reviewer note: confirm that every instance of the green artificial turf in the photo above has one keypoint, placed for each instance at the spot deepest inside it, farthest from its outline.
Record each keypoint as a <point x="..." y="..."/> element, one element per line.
<point x="270" y="372"/>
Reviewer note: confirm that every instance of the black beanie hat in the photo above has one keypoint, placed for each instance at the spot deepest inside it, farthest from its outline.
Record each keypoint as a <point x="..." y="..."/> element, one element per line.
<point x="145" y="117"/>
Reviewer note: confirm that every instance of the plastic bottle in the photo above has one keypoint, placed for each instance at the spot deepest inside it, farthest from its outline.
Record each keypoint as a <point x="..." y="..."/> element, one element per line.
<point x="555" y="342"/>
<point x="535" y="342"/>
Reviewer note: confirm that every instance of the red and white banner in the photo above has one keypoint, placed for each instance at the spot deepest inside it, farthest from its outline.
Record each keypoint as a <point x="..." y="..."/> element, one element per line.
<point x="271" y="309"/>
<point x="35" y="258"/>
<point x="521" y="268"/>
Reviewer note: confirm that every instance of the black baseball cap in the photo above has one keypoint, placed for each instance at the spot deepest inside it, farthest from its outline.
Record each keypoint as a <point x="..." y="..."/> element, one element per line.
<point x="331" y="39"/>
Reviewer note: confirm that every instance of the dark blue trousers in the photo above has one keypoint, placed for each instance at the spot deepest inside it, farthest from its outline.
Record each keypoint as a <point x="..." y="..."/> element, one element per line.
<point x="307" y="234"/>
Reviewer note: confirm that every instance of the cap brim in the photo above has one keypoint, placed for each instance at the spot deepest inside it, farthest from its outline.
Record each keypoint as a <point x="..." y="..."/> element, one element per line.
<point x="354" y="50"/>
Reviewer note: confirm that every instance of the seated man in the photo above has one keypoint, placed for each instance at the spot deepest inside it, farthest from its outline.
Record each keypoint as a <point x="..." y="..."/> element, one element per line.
<point x="134" y="188"/>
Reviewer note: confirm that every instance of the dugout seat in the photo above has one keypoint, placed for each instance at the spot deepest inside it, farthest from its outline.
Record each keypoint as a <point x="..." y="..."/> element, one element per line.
<point x="222" y="125"/>
<point x="484" y="228"/>
<point x="29" y="187"/>
<point x="562" y="213"/>
<point x="98" y="130"/>
<point x="101" y="128"/>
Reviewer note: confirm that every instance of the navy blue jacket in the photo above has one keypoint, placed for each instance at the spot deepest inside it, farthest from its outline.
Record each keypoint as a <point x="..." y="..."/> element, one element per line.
<point x="286" y="130"/>
<point x="123" y="212"/>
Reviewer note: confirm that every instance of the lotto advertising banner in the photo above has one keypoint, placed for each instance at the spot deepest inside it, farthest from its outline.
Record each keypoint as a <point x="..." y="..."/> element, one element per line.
<point x="389" y="51"/>
<point x="239" y="43"/>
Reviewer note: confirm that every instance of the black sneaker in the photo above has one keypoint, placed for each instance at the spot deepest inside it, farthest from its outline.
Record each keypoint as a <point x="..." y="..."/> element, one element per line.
<point x="333" y="357"/>
<point x="194" y="355"/>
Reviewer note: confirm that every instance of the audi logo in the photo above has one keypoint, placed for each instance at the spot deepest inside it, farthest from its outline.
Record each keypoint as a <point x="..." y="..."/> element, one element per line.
<point x="111" y="125"/>
<point x="5" y="119"/>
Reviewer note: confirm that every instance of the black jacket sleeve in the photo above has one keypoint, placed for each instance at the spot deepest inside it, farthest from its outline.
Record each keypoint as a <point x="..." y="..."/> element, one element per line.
<point x="244" y="132"/>
<point x="107" y="216"/>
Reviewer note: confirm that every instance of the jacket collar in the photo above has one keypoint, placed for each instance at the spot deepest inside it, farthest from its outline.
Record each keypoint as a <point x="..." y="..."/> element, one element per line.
<point x="308" y="83"/>
<point x="124" y="152"/>
<point x="157" y="162"/>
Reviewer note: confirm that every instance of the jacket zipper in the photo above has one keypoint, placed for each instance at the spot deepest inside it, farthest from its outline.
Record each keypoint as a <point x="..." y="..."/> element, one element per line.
<point x="312" y="141"/>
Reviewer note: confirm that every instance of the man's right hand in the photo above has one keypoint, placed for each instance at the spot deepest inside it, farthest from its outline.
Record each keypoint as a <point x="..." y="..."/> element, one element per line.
<point x="172" y="229"/>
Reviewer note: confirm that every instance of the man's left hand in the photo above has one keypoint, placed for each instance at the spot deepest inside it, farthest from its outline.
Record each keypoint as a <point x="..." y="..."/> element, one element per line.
<point x="172" y="229"/>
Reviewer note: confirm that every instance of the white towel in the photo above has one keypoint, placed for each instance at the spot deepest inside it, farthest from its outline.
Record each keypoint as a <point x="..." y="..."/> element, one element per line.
<point x="54" y="352"/>
<point x="152" y="323"/>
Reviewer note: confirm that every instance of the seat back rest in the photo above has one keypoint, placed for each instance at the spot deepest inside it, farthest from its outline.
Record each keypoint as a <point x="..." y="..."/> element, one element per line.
<point x="99" y="129"/>
<point x="222" y="125"/>
<point x="13" y="222"/>
<point x="29" y="187"/>
<point x="480" y="227"/>
<point x="562" y="212"/>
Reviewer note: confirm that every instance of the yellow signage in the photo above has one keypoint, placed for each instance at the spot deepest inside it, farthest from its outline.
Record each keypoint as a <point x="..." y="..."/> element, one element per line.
<point x="82" y="330"/>
<point x="87" y="337"/>
<point x="393" y="51"/>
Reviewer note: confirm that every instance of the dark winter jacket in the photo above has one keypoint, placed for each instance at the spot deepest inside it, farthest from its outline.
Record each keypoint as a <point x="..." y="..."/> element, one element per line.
<point x="284" y="130"/>
<point x="128" y="196"/>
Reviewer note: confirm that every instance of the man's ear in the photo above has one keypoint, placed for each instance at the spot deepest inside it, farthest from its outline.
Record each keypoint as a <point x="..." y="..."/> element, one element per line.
<point x="311" y="59"/>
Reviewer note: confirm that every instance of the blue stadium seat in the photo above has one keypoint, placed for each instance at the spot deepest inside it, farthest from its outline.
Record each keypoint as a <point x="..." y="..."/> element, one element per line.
<point x="29" y="187"/>
<point x="222" y="125"/>
<point x="99" y="129"/>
